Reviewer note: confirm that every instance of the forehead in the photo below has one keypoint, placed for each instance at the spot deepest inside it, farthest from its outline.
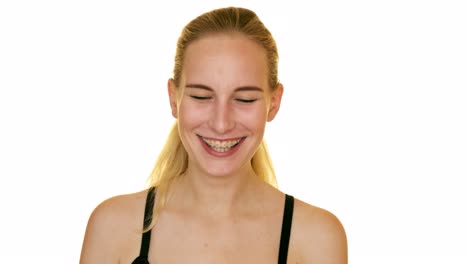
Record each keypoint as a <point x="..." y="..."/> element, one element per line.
<point x="225" y="60"/>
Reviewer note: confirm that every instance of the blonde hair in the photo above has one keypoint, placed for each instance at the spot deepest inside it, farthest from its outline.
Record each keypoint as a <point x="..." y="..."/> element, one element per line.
<point x="173" y="159"/>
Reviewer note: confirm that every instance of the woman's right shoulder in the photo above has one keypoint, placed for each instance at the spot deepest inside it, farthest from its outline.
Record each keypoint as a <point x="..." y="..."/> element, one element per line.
<point x="120" y="209"/>
<point x="113" y="222"/>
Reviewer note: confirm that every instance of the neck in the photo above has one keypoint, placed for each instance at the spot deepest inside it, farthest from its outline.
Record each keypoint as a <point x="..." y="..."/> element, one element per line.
<point x="217" y="195"/>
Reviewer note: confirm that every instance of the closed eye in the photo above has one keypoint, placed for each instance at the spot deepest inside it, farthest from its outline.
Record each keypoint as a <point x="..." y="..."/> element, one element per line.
<point x="246" y="100"/>
<point x="200" y="97"/>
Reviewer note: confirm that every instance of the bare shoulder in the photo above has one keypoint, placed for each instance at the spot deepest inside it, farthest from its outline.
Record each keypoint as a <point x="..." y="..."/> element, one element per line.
<point x="111" y="225"/>
<point x="319" y="235"/>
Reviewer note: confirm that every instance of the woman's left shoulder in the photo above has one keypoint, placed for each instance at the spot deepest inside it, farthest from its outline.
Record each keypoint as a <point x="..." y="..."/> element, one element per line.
<point x="318" y="234"/>
<point x="314" y="219"/>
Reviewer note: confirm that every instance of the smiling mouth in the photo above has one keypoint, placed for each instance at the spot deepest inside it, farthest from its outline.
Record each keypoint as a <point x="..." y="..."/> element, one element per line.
<point x="221" y="145"/>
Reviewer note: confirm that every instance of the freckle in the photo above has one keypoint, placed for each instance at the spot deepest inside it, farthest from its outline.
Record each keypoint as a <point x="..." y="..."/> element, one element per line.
<point x="205" y="244"/>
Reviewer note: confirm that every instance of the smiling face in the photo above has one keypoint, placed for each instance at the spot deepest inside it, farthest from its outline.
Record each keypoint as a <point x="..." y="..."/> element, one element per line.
<point x="223" y="103"/>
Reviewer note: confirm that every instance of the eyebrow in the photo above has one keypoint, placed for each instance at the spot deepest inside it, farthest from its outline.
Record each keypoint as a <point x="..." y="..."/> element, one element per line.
<point x="238" y="89"/>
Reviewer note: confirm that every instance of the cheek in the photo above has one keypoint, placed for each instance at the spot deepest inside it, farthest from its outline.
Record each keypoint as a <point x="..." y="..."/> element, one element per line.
<point x="191" y="114"/>
<point x="254" y="118"/>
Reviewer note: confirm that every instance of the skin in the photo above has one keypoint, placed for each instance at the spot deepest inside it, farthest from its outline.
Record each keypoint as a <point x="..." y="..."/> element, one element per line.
<point x="220" y="74"/>
<point x="219" y="211"/>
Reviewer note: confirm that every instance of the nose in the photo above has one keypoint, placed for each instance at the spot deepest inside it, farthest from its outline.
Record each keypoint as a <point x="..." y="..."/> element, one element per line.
<point x="222" y="118"/>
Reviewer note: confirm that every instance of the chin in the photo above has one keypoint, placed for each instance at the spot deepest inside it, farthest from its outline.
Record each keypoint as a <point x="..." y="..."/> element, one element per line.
<point x="221" y="172"/>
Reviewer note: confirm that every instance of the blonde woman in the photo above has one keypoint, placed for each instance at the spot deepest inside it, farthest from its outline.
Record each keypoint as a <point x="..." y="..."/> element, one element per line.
<point x="212" y="196"/>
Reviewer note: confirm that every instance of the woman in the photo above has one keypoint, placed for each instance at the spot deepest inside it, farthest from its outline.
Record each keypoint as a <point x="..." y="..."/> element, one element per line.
<point x="213" y="189"/>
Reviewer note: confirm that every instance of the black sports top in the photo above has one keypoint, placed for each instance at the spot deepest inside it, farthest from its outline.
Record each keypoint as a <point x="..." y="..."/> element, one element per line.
<point x="285" y="229"/>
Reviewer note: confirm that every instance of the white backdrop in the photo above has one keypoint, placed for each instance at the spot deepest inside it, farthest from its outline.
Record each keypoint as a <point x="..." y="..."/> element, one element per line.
<point x="373" y="125"/>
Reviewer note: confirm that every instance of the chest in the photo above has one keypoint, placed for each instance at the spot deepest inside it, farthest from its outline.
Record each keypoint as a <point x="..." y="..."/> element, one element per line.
<point x="244" y="240"/>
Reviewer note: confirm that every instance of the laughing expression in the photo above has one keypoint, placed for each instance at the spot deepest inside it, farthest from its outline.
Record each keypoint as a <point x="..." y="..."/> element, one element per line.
<point x="223" y="103"/>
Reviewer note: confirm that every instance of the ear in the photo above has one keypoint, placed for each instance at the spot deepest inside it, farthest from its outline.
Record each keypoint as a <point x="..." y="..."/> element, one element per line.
<point x="171" y="90"/>
<point x="275" y="102"/>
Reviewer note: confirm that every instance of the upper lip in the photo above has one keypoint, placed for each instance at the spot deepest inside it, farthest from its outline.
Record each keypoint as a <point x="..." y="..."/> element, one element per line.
<point x="221" y="139"/>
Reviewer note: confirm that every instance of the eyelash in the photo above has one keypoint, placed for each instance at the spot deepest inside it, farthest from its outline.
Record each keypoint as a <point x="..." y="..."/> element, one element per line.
<point x="246" y="101"/>
<point x="200" y="97"/>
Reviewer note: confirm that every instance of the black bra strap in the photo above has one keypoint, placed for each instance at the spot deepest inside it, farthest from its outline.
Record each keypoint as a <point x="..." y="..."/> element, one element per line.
<point x="286" y="229"/>
<point x="145" y="239"/>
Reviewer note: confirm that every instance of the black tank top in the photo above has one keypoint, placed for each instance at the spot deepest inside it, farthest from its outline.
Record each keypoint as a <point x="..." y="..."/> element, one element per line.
<point x="285" y="229"/>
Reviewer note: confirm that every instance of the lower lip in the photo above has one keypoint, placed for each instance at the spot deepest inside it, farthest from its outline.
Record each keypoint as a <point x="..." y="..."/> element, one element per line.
<point x="220" y="154"/>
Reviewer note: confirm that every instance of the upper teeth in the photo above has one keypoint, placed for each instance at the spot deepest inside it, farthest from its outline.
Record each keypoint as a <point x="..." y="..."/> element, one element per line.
<point x="221" y="144"/>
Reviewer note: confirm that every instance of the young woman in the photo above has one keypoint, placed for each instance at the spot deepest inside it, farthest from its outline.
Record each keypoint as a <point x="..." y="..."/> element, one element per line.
<point x="213" y="196"/>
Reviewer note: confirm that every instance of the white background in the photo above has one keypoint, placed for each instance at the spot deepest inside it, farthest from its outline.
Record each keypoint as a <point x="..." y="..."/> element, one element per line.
<point x="373" y="125"/>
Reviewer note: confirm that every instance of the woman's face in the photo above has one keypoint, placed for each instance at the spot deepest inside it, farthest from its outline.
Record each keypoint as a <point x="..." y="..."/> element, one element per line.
<point x="223" y="103"/>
